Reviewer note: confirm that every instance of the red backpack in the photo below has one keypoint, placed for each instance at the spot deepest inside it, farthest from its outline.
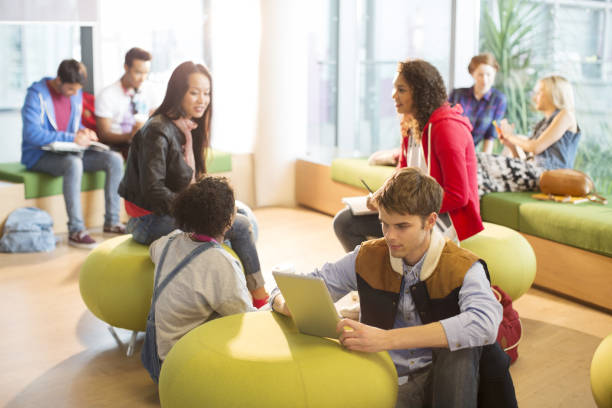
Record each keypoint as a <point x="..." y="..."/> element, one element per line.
<point x="510" y="330"/>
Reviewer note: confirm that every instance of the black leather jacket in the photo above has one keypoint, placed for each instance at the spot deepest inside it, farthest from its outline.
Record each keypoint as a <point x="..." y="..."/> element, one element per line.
<point x="156" y="170"/>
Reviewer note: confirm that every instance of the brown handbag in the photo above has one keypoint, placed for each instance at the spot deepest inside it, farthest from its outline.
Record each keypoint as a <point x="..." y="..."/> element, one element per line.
<point x="568" y="182"/>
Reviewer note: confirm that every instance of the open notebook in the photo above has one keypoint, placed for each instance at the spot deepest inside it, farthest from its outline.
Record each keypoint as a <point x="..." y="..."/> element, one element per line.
<point x="73" y="147"/>
<point x="358" y="205"/>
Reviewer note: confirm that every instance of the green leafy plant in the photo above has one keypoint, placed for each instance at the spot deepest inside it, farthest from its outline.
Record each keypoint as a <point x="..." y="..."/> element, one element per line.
<point x="508" y="35"/>
<point x="593" y="156"/>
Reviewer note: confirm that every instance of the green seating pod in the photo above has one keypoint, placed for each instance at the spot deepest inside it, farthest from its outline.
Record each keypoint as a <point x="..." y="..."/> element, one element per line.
<point x="259" y="359"/>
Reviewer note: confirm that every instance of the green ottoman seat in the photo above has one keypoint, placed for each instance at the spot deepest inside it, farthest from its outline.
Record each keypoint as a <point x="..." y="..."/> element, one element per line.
<point x="259" y="359"/>
<point x="510" y="258"/>
<point x="116" y="284"/>
<point x="601" y="374"/>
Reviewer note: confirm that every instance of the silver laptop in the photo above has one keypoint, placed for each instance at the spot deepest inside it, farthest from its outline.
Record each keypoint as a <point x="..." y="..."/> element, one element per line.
<point x="311" y="305"/>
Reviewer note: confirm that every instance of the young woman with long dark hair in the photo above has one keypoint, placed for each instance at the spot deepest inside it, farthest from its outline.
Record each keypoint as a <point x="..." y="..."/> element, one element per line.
<point x="167" y="155"/>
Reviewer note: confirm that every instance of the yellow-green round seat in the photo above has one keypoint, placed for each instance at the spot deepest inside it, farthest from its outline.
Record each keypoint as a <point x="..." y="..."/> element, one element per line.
<point x="601" y="374"/>
<point x="259" y="359"/>
<point x="509" y="257"/>
<point x="116" y="282"/>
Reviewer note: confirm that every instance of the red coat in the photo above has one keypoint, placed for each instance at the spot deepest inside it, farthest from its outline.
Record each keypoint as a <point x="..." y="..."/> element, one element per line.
<point x="454" y="166"/>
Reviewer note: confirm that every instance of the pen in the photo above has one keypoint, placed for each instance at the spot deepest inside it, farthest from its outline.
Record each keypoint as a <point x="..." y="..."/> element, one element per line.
<point x="366" y="186"/>
<point x="497" y="129"/>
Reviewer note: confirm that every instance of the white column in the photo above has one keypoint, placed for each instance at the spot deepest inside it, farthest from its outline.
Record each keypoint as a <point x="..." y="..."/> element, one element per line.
<point x="467" y="23"/>
<point x="282" y="107"/>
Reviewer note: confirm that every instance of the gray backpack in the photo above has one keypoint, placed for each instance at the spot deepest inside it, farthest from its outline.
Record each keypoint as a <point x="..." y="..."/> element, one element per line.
<point x="28" y="229"/>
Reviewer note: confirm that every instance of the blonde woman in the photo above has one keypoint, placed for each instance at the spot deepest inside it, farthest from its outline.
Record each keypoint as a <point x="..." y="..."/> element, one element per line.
<point x="552" y="145"/>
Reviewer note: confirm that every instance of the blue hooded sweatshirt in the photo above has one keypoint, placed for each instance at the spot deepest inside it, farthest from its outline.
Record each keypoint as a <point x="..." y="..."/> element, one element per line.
<point x="39" y="126"/>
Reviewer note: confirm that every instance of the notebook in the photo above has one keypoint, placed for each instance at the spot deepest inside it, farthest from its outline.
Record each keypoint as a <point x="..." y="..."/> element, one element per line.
<point x="311" y="305"/>
<point x="358" y="205"/>
<point x="73" y="147"/>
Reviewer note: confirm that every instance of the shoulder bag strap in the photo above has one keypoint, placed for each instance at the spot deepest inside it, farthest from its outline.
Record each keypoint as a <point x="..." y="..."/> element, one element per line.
<point x="157" y="290"/>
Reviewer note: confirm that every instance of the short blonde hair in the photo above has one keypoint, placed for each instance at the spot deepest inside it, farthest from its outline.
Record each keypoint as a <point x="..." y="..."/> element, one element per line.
<point x="560" y="91"/>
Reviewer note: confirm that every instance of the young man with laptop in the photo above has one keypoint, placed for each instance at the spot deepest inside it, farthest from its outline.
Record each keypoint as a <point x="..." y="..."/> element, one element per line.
<point x="423" y="299"/>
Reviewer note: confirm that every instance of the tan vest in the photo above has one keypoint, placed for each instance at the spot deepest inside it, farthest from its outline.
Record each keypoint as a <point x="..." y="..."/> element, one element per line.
<point x="436" y="295"/>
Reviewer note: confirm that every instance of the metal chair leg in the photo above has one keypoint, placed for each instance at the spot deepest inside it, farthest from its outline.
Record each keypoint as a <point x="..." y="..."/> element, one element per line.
<point x="112" y="331"/>
<point x="131" y="344"/>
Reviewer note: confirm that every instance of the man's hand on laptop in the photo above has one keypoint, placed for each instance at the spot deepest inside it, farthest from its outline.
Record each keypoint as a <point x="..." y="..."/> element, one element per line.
<point x="361" y="337"/>
<point x="279" y="305"/>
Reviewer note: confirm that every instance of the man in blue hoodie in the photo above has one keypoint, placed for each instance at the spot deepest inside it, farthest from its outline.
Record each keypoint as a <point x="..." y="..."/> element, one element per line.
<point x="51" y="113"/>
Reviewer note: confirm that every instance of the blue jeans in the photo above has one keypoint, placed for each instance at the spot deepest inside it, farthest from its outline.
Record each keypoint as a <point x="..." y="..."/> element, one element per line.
<point x="148" y="228"/>
<point x="450" y="381"/>
<point x="71" y="167"/>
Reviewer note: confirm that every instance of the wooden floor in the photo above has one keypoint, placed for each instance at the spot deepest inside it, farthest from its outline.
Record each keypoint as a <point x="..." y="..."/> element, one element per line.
<point x="54" y="353"/>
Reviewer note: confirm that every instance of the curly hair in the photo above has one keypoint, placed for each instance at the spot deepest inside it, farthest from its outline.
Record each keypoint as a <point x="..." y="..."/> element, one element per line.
<point x="205" y="207"/>
<point x="427" y="87"/>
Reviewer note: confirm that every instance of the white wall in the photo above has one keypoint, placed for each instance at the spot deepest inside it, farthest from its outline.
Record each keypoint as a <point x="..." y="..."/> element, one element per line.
<point x="235" y="72"/>
<point x="466" y="40"/>
<point x="283" y="100"/>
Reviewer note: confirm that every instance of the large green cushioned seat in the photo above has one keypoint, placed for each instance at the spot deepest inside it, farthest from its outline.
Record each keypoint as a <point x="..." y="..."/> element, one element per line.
<point x="43" y="185"/>
<point x="116" y="283"/>
<point x="509" y="257"/>
<point x="601" y="374"/>
<point x="259" y="359"/>
<point x="586" y="226"/>
<point x="349" y="171"/>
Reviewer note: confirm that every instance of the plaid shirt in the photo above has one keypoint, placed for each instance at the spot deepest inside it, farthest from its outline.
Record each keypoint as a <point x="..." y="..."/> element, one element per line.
<point x="481" y="113"/>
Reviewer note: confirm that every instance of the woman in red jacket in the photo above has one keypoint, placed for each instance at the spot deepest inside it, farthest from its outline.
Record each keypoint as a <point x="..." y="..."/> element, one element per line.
<point x="437" y="139"/>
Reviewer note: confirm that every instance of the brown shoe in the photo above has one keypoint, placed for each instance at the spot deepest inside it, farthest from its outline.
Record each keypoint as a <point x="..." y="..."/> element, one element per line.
<point x="115" y="229"/>
<point x="81" y="239"/>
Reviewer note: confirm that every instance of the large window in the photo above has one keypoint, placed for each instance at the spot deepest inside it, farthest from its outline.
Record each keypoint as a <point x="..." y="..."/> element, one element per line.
<point x="172" y="31"/>
<point x="356" y="48"/>
<point x="574" y="39"/>
<point x="30" y="52"/>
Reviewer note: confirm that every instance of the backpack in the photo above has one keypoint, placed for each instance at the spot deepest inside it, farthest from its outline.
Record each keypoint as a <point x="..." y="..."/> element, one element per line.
<point x="510" y="330"/>
<point x="28" y="229"/>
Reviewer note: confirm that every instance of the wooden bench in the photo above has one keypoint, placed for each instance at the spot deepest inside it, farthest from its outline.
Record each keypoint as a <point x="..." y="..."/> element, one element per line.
<point x="22" y="188"/>
<point x="572" y="242"/>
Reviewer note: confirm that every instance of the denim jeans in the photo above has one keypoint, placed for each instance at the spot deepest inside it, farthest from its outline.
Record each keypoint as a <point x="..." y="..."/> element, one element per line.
<point x="450" y="381"/>
<point x="71" y="166"/>
<point x="352" y="230"/>
<point x="148" y="228"/>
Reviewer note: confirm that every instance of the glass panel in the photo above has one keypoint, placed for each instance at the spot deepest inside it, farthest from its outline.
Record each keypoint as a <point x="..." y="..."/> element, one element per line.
<point x="393" y="31"/>
<point x="156" y="30"/>
<point x="323" y="78"/>
<point x="30" y="52"/>
<point x="575" y="42"/>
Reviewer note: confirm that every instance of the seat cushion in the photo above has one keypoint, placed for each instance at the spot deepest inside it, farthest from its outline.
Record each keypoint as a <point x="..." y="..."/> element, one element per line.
<point x="350" y="171"/>
<point x="586" y="226"/>
<point x="218" y="162"/>
<point x="43" y="185"/>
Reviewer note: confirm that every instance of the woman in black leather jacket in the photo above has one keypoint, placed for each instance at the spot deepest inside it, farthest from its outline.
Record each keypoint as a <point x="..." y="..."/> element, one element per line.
<point x="166" y="155"/>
